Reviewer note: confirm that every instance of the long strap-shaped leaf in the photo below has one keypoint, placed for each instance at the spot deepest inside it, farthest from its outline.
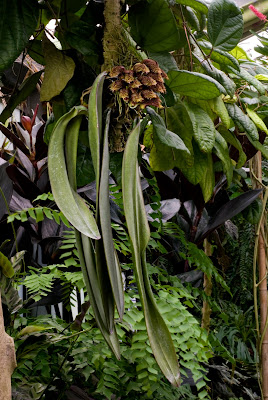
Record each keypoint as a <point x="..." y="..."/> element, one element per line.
<point x="85" y="247"/>
<point x="95" y="124"/>
<point x="139" y="233"/>
<point x="68" y="201"/>
<point x="112" y="262"/>
<point x="108" y="268"/>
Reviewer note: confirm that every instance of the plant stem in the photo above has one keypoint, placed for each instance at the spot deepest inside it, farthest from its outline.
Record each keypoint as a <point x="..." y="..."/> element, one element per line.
<point x="206" y="310"/>
<point x="260" y="258"/>
<point x="112" y="32"/>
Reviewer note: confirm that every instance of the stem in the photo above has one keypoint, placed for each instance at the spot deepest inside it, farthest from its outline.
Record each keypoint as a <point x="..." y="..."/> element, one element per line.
<point x="112" y="32"/>
<point x="206" y="310"/>
<point x="260" y="258"/>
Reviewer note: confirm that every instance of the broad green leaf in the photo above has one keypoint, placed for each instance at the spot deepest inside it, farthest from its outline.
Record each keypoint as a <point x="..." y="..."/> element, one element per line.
<point x="257" y="120"/>
<point x="218" y="75"/>
<point x="153" y="26"/>
<point x="225" y="24"/>
<point x="75" y="209"/>
<point x="223" y="58"/>
<point x="59" y="70"/>
<point x="240" y="54"/>
<point x="232" y="139"/>
<point x="194" y="84"/>
<point x="253" y="212"/>
<point x="164" y="135"/>
<point x="78" y="37"/>
<point x="196" y="173"/>
<point x="6" y="266"/>
<point x="139" y="233"/>
<point x="207" y="183"/>
<point x="203" y="127"/>
<point x="25" y="89"/>
<point x="243" y="74"/>
<point x="222" y="152"/>
<point x="243" y="120"/>
<point x="218" y="107"/>
<point x="19" y="19"/>
<point x="198" y="5"/>
<point x="179" y="122"/>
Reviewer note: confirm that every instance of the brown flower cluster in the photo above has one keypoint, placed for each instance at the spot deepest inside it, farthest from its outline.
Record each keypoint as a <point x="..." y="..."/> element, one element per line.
<point x="140" y="85"/>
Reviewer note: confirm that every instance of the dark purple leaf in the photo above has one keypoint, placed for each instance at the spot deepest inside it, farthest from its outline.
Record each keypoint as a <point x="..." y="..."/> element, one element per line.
<point x="15" y="140"/>
<point x="40" y="146"/>
<point x="6" y="189"/>
<point x="168" y="208"/>
<point x="230" y="209"/>
<point x="22" y="184"/>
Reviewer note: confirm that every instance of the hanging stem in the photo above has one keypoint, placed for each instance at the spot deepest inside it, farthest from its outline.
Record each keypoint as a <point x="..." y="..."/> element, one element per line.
<point x="260" y="259"/>
<point x="206" y="310"/>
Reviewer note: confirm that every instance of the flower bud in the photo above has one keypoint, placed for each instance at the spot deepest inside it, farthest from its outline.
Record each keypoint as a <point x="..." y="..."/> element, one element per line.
<point x="26" y="123"/>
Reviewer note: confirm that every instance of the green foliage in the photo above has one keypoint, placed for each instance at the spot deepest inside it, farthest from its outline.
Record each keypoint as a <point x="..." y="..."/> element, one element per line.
<point x="18" y="24"/>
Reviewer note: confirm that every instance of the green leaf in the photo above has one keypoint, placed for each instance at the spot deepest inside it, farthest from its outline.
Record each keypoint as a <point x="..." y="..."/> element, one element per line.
<point x="257" y="120"/>
<point x="262" y="77"/>
<point x="253" y="212"/>
<point x="207" y="183"/>
<point x="78" y="37"/>
<point x="237" y="115"/>
<point x="139" y="233"/>
<point x="165" y="60"/>
<point x="19" y="19"/>
<point x="232" y="139"/>
<point x="164" y="135"/>
<point x="225" y="24"/>
<point x="222" y="57"/>
<point x="194" y="84"/>
<point x="6" y="266"/>
<point x="218" y="107"/>
<point x="240" y="54"/>
<point x="95" y="124"/>
<point x="222" y="152"/>
<point x="112" y="261"/>
<point x="84" y="170"/>
<point x="59" y="70"/>
<point x="153" y="26"/>
<point x="75" y="209"/>
<point x="25" y="89"/>
<point x="198" y="5"/>
<point x="87" y="254"/>
<point x="218" y="75"/>
<point x="243" y="74"/>
<point x="196" y="173"/>
<point x="203" y="127"/>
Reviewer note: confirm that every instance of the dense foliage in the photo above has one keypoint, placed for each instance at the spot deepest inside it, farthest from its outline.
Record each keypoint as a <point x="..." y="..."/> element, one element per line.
<point x="117" y="194"/>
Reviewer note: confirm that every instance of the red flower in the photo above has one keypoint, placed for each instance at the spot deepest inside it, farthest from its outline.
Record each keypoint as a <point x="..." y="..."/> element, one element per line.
<point x="258" y="13"/>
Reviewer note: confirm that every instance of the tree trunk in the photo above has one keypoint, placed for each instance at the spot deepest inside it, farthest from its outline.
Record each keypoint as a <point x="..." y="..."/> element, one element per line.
<point x="112" y="38"/>
<point x="207" y="285"/>
<point x="263" y="297"/>
<point x="7" y="359"/>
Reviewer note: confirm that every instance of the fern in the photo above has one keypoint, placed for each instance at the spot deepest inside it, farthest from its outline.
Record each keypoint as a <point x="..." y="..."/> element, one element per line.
<point x="195" y="256"/>
<point x="38" y="214"/>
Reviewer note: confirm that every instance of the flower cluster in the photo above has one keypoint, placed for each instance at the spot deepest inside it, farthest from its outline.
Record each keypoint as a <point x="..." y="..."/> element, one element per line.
<point x="261" y="16"/>
<point x="140" y="85"/>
